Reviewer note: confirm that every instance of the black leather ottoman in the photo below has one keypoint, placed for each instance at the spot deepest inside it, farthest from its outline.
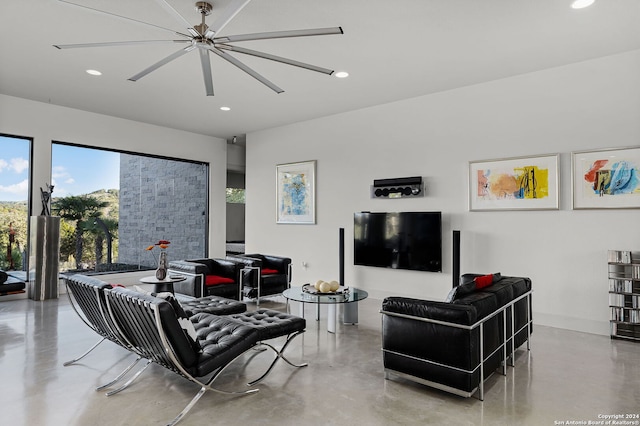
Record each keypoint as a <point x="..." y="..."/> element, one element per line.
<point x="213" y="305"/>
<point x="271" y="324"/>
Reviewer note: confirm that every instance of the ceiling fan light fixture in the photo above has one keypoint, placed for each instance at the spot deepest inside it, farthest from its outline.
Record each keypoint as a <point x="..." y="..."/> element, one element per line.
<point x="341" y="74"/>
<point x="581" y="4"/>
<point x="93" y="72"/>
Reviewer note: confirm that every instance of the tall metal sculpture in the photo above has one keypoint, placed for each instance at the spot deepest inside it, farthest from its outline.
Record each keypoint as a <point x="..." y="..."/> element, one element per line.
<point x="46" y="197"/>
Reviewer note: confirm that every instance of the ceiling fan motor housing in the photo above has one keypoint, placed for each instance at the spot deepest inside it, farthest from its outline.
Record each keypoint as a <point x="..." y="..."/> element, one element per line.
<point x="204" y="7"/>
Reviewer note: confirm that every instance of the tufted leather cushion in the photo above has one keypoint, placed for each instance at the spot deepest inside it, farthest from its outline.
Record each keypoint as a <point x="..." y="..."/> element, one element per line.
<point x="221" y="340"/>
<point x="270" y="324"/>
<point x="213" y="305"/>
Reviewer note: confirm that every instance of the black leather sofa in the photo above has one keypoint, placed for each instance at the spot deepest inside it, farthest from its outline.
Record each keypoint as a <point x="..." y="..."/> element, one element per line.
<point x="207" y="277"/>
<point x="455" y="345"/>
<point x="10" y="285"/>
<point x="263" y="274"/>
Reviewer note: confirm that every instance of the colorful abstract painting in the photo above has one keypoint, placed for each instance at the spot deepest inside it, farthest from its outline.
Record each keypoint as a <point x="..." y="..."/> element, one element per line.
<point x="606" y="178"/>
<point x="522" y="183"/>
<point x="295" y="198"/>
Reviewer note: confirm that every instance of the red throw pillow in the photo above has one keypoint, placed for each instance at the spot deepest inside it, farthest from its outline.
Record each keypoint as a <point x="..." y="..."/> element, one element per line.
<point x="483" y="281"/>
<point x="217" y="279"/>
<point x="267" y="271"/>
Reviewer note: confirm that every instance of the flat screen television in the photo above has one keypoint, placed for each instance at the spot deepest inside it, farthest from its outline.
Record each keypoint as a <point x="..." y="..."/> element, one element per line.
<point x="404" y="240"/>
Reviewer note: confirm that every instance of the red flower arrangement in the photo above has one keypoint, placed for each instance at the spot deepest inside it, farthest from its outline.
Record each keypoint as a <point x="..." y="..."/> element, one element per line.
<point x="163" y="244"/>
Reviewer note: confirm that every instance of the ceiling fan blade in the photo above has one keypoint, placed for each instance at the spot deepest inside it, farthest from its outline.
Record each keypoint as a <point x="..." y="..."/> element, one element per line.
<point x="279" y="34"/>
<point x="274" y="58"/>
<point x="183" y="21"/>
<point x="124" y="17"/>
<point x="227" y="15"/>
<point x="162" y="62"/>
<point x="206" y="70"/>
<point x="243" y="67"/>
<point x="117" y="43"/>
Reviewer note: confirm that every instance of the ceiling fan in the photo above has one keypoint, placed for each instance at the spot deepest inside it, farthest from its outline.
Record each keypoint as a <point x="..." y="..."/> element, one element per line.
<point x="205" y="38"/>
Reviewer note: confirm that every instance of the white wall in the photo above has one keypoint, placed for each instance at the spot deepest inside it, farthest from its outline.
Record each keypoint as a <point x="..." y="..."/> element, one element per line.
<point x="45" y="123"/>
<point x="584" y="106"/>
<point x="235" y="221"/>
<point x="236" y="158"/>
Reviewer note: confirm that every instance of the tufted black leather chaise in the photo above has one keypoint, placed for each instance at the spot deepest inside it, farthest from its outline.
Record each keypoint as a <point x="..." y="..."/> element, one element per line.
<point x="151" y="328"/>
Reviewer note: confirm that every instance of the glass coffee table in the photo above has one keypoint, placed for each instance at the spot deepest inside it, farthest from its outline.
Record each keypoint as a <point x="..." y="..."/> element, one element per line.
<point x="349" y="297"/>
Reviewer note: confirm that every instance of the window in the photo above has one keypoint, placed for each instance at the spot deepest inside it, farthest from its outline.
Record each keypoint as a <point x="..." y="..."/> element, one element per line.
<point x="114" y="205"/>
<point x="235" y="195"/>
<point x="235" y="207"/>
<point x="14" y="201"/>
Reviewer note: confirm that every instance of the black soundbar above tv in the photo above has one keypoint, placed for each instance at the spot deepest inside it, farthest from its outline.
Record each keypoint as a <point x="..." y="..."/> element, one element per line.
<point x="402" y="240"/>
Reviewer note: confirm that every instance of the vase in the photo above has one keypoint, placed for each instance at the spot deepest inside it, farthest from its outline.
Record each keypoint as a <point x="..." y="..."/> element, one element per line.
<point x="161" y="272"/>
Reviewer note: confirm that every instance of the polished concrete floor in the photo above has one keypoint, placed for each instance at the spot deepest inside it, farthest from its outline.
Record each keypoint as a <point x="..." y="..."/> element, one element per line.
<point x="566" y="376"/>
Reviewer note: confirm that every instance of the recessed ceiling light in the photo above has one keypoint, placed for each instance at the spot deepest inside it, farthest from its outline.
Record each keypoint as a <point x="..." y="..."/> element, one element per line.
<point x="342" y="74"/>
<point x="581" y="4"/>
<point x="225" y="108"/>
<point x="94" y="72"/>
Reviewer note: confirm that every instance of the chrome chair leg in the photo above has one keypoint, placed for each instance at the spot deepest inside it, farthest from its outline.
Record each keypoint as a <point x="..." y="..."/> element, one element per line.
<point x="207" y="386"/>
<point x="219" y="372"/>
<point x="126" y="385"/>
<point x="84" y="354"/>
<point x="279" y="355"/>
<point x="190" y="405"/>
<point x="201" y="392"/>
<point x="120" y="376"/>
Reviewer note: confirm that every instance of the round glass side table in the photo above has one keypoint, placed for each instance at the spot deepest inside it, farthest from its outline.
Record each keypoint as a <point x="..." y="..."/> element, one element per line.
<point x="349" y="297"/>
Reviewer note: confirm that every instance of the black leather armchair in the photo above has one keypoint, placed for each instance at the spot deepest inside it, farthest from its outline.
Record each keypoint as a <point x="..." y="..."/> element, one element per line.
<point x="207" y="277"/>
<point x="262" y="274"/>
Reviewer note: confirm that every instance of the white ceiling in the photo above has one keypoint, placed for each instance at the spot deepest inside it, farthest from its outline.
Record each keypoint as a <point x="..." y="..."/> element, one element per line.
<point x="393" y="50"/>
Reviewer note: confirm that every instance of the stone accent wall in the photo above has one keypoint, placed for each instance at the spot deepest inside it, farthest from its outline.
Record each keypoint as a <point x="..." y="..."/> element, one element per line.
<point x="161" y="200"/>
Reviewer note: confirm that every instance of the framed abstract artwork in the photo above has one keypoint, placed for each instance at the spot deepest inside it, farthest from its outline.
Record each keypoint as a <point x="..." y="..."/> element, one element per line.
<point x="296" y="193"/>
<point x="606" y="179"/>
<point x="518" y="183"/>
